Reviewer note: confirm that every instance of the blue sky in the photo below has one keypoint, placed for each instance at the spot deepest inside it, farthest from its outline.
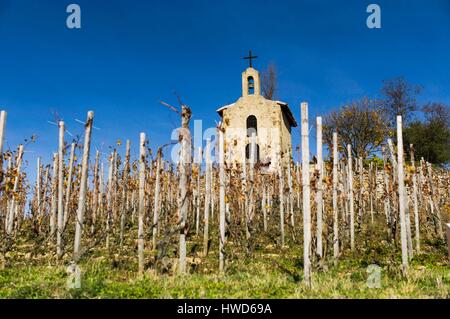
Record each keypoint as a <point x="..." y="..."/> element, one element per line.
<point x="130" y="54"/>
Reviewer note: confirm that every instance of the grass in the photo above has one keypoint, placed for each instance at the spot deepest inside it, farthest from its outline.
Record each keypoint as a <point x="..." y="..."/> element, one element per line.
<point x="270" y="273"/>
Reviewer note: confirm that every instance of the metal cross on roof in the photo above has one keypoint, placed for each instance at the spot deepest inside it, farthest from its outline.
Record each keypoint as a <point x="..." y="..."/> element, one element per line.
<point x="250" y="57"/>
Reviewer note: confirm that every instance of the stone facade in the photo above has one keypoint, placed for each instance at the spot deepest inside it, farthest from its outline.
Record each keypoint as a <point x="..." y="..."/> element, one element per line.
<point x="271" y="121"/>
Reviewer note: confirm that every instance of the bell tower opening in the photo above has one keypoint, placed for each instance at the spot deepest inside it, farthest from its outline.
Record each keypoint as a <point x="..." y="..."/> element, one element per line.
<point x="251" y="85"/>
<point x="250" y="82"/>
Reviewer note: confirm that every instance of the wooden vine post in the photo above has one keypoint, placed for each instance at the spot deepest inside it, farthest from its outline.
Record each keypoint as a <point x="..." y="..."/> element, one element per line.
<point x="434" y="205"/>
<point x="141" y="208"/>
<point x="281" y="190"/>
<point x="38" y="187"/>
<point x="156" y="198"/>
<point x="198" y="193"/>
<point x="401" y="194"/>
<point x="13" y="202"/>
<point x="59" y="233"/>
<point x="183" y="202"/>
<point x="109" y="198"/>
<point x="335" y="198"/>
<point x="415" y="199"/>
<point x="306" y="195"/>
<point x="361" y="190"/>
<point x="96" y="196"/>
<point x="69" y="185"/>
<point x="290" y="198"/>
<point x="251" y="204"/>
<point x="351" y="200"/>
<point x="54" y="196"/>
<point x="83" y="186"/>
<point x="207" y="197"/>
<point x="221" y="202"/>
<point x="319" y="193"/>
<point x="125" y="177"/>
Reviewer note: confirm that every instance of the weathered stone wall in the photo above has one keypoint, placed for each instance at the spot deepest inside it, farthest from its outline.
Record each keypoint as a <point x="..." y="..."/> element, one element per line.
<point x="273" y="132"/>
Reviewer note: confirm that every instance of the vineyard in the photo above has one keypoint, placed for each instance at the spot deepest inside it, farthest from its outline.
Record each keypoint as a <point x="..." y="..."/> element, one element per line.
<point x="149" y="227"/>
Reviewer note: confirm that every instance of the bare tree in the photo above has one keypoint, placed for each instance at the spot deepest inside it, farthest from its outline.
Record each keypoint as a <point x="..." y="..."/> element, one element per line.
<point x="269" y="82"/>
<point x="438" y="112"/>
<point x="399" y="99"/>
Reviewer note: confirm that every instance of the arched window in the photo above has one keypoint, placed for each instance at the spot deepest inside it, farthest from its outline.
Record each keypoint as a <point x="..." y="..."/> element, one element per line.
<point x="251" y="85"/>
<point x="247" y="152"/>
<point x="252" y="125"/>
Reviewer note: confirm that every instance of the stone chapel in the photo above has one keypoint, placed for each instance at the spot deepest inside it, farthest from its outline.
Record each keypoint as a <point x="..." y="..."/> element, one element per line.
<point x="270" y="122"/>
